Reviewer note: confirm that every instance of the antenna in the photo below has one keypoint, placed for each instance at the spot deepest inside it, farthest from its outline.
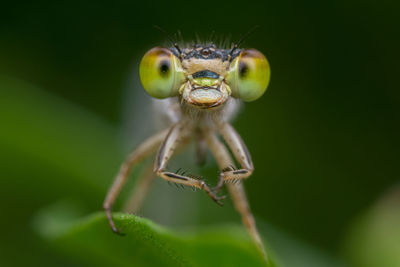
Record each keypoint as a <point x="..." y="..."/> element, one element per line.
<point x="244" y="36"/>
<point x="175" y="44"/>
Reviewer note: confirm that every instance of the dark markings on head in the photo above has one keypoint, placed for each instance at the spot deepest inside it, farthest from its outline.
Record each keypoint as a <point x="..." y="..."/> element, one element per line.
<point x="205" y="74"/>
<point x="200" y="51"/>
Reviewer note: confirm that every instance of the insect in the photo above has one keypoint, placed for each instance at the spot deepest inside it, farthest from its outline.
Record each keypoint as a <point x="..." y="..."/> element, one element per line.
<point x="201" y="87"/>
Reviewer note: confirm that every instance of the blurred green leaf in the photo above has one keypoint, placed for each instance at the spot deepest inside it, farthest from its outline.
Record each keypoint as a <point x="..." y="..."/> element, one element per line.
<point x="374" y="239"/>
<point x="44" y="129"/>
<point x="50" y="148"/>
<point x="293" y="252"/>
<point x="91" y="242"/>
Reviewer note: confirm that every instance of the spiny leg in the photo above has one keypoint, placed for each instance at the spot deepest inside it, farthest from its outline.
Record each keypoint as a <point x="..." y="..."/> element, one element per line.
<point x="142" y="186"/>
<point x="239" y="149"/>
<point x="236" y="190"/>
<point x="140" y="190"/>
<point x="177" y="133"/>
<point x="145" y="149"/>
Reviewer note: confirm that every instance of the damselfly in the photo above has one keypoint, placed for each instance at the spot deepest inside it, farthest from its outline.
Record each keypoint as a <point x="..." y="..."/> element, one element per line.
<point x="201" y="84"/>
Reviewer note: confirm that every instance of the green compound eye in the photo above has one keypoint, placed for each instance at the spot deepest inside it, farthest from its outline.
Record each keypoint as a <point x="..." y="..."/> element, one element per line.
<point x="249" y="75"/>
<point x="160" y="73"/>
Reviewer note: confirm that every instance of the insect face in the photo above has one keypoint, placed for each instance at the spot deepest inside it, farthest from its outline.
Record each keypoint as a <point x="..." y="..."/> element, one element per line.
<point x="204" y="76"/>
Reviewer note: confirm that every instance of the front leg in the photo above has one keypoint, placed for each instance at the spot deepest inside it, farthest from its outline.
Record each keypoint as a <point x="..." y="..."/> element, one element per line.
<point x="242" y="155"/>
<point x="237" y="192"/>
<point x="145" y="149"/>
<point x="176" y="135"/>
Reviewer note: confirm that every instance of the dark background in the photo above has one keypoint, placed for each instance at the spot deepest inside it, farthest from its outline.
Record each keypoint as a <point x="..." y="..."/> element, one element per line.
<point x="324" y="138"/>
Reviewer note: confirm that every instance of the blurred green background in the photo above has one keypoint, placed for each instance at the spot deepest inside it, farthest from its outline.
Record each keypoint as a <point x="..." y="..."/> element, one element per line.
<point x="324" y="138"/>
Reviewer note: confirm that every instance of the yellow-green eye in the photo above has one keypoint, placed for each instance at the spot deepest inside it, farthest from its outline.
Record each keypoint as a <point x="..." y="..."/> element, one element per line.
<point x="160" y="73"/>
<point x="249" y="75"/>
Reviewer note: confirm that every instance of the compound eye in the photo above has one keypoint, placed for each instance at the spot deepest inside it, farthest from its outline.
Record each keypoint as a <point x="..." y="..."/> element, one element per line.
<point x="160" y="73"/>
<point x="249" y="75"/>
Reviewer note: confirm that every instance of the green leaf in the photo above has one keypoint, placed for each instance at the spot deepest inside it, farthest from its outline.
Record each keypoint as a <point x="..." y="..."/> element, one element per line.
<point x="293" y="252"/>
<point x="49" y="132"/>
<point x="90" y="241"/>
<point x="50" y="148"/>
<point x="374" y="238"/>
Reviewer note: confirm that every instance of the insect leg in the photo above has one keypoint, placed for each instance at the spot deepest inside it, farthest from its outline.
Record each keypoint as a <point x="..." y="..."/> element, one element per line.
<point x="145" y="149"/>
<point x="140" y="190"/>
<point x="236" y="190"/>
<point x="174" y="137"/>
<point x="239" y="150"/>
<point x="142" y="186"/>
<point x="239" y="199"/>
